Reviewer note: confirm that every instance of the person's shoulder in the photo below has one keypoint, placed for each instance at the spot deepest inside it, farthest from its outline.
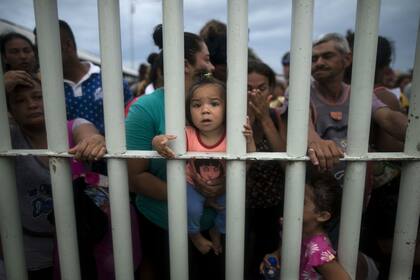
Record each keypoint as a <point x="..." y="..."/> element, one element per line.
<point x="152" y="105"/>
<point x="14" y="129"/>
<point x="387" y="97"/>
<point x="384" y="91"/>
<point x="93" y="69"/>
<point x="17" y="137"/>
<point x="189" y="129"/>
<point x="314" y="90"/>
<point x="156" y="97"/>
<point x="93" y="73"/>
<point x="157" y="92"/>
<point x="319" y="250"/>
<point x="190" y="133"/>
<point x="380" y="89"/>
<point x="322" y="241"/>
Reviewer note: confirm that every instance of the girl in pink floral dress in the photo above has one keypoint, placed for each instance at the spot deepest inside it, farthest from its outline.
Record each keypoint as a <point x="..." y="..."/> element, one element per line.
<point x="318" y="259"/>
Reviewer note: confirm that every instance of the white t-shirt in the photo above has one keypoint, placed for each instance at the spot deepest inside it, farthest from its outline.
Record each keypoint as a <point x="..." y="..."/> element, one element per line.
<point x="149" y="89"/>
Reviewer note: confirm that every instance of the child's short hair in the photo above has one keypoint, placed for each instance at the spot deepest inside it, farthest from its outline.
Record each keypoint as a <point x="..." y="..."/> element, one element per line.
<point x="207" y="162"/>
<point x="326" y="193"/>
<point x="202" y="79"/>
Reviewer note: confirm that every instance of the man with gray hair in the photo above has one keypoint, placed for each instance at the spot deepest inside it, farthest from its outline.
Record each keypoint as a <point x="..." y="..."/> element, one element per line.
<point x="329" y="112"/>
<point x="330" y="100"/>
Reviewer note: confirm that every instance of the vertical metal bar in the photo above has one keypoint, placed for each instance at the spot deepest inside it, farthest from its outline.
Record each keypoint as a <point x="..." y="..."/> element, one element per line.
<point x="10" y="223"/>
<point x="173" y="51"/>
<point x="301" y="52"/>
<point x="54" y="106"/>
<point x="177" y="215"/>
<point x="409" y="198"/>
<point x="237" y="55"/>
<point x="364" y="58"/>
<point x="292" y="223"/>
<point x="112" y="84"/>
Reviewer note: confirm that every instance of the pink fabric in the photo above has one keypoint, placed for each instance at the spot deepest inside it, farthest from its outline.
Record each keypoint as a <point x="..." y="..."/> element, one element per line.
<point x="127" y="107"/>
<point x="194" y="145"/>
<point x="316" y="251"/>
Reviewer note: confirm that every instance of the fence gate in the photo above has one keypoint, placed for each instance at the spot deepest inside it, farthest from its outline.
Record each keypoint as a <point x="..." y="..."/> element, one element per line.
<point x="301" y="50"/>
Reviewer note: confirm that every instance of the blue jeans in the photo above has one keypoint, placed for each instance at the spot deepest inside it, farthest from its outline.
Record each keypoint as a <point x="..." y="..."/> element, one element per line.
<point x="195" y="210"/>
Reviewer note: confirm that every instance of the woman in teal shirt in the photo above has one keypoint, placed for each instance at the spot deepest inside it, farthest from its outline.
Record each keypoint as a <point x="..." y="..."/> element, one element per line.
<point x="147" y="177"/>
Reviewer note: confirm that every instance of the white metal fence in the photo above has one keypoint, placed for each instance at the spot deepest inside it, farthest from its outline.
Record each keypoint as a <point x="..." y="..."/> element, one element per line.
<point x="301" y="48"/>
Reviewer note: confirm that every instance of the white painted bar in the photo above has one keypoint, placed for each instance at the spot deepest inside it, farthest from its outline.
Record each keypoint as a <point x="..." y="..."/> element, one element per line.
<point x="48" y="40"/>
<point x="173" y="52"/>
<point x="408" y="211"/>
<point x="300" y="71"/>
<point x="112" y="84"/>
<point x="120" y="218"/>
<point x="237" y="61"/>
<point x="202" y="155"/>
<point x="364" y="59"/>
<point x="292" y="221"/>
<point x="10" y="223"/>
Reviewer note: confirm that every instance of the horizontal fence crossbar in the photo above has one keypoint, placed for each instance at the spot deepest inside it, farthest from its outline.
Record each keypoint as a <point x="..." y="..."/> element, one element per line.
<point x="199" y="155"/>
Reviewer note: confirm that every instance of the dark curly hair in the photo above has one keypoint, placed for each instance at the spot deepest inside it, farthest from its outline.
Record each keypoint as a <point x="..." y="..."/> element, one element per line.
<point x="214" y="34"/>
<point x="384" y="54"/>
<point x="192" y="43"/>
<point x="326" y="192"/>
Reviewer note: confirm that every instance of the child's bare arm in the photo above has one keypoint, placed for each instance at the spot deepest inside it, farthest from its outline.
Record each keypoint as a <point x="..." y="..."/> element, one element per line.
<point x="333" y="271"/>
<point x="160" y="144"/>
<point x="250" y="143"/>
<point x="249" y="136"/>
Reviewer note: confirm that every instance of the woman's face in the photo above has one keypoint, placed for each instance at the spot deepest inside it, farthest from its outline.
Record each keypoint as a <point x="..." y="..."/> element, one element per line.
<point x="258" y="87"/>
<point x="202" y="61"/>
<point x="19" y="55"/>
<point x="259" y="82"/>
<point x="26" y="106"/>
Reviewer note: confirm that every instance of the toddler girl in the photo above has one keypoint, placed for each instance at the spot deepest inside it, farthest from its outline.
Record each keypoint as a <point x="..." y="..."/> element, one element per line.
<point x="206" y="104"/>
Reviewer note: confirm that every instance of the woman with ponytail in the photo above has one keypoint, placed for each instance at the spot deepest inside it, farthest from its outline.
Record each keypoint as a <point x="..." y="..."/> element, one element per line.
<point x="147" y="177"/>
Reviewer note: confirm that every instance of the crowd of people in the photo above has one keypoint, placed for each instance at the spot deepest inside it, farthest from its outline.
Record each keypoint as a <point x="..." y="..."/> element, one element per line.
<point x="265" y="130"/>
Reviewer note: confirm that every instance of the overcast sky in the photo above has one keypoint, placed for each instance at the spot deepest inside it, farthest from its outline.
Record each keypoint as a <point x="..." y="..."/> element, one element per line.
<point x="269" y="23"/>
